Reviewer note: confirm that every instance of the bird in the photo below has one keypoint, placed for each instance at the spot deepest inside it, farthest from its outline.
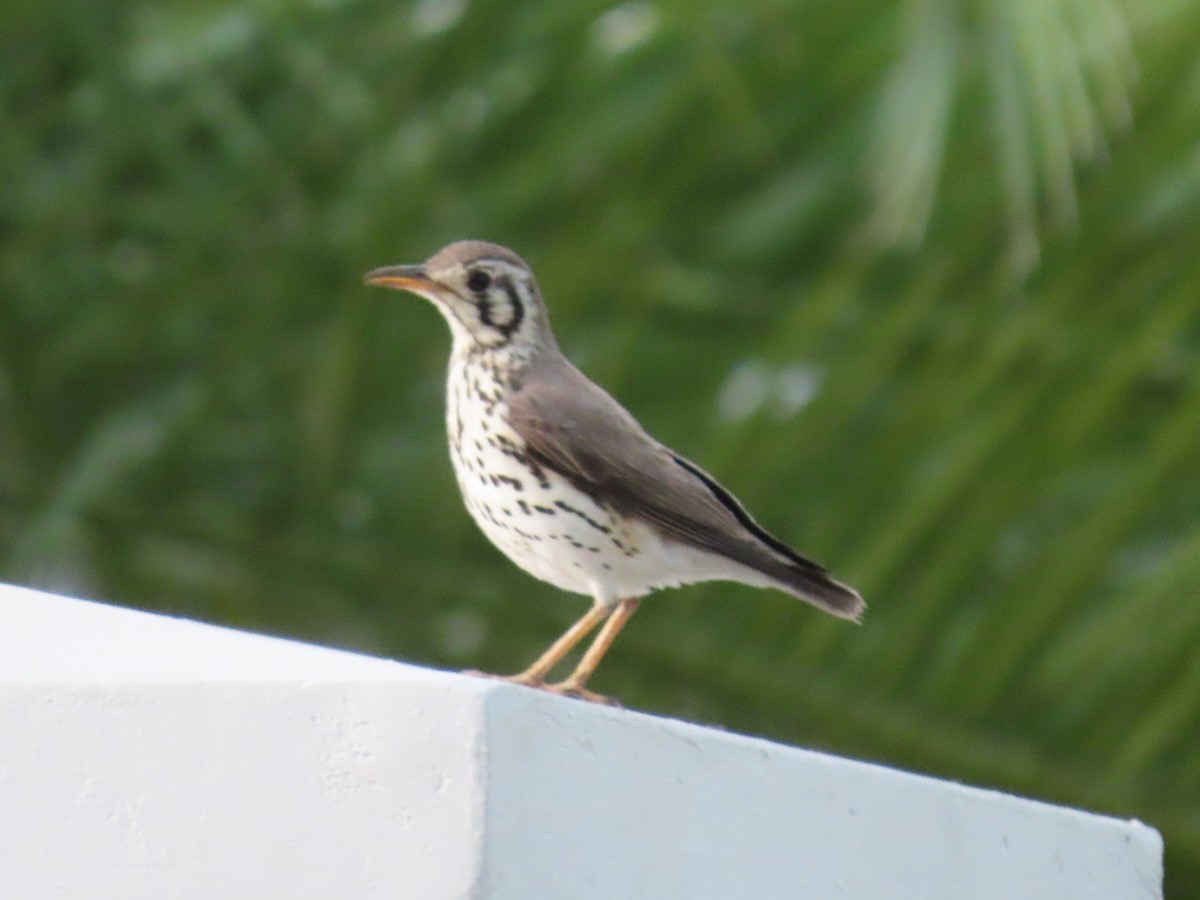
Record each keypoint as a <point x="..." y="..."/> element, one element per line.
<point x="563" y="479"/>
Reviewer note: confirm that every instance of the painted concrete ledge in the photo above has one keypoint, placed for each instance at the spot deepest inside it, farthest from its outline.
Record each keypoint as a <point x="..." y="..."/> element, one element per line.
<point x="149" y="757"/>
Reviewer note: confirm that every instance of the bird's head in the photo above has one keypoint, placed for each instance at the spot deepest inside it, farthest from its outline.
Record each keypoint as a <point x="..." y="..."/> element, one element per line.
<point x="486" y="292"/>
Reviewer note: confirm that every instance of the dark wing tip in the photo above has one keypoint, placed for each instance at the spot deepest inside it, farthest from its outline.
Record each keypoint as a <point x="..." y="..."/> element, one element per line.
<point x="813" y="583"/>
<point x="799" y="575"/>
<point x="843" y="601"/>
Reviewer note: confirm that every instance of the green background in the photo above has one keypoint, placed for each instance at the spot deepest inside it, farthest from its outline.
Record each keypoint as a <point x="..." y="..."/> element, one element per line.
<point x="920" y="281"/>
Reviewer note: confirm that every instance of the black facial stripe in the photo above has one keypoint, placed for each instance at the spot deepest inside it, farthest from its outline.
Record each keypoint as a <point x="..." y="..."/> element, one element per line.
<point x="518" y="309"/>
<point x="484" y="303"/>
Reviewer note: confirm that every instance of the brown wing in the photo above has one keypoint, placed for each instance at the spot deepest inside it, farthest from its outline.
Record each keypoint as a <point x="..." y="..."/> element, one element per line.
<point x="574" y="428"/>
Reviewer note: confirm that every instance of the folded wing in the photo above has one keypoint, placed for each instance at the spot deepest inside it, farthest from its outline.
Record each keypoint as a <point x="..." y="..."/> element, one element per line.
<point x="574" y="428"/>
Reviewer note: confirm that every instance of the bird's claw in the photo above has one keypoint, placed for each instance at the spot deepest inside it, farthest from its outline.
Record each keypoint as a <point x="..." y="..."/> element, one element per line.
<point x="561" y="688"/>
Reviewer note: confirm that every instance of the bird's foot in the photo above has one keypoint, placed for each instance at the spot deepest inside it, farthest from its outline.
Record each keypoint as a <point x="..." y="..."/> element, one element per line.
<point x="578" y="692"/>
<point x="521" y="679"/>
<point x="561" y="688"/>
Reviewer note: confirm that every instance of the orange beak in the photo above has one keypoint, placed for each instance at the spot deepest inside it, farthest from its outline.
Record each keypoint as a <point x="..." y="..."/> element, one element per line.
<point x="402" y="278"/>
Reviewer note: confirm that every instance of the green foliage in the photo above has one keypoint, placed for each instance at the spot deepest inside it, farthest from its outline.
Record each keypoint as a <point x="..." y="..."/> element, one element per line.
<point x="918" y="280"/>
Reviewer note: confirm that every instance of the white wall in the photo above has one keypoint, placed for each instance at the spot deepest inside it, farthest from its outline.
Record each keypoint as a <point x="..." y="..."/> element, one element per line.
<point x="147" y="757"/>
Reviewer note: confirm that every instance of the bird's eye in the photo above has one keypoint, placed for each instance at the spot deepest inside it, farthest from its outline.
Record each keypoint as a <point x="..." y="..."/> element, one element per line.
<point x="478" y="280"/>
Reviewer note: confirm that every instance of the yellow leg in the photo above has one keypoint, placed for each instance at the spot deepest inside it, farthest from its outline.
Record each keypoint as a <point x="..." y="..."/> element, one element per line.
<point x="541" y="667"/>
<point x="574" y="683"/>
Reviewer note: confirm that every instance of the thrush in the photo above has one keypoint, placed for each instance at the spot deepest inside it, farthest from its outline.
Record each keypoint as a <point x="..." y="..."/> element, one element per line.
<point x="566" y="483"/>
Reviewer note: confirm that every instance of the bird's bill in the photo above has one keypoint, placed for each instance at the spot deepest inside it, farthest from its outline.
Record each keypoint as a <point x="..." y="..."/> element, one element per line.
<point x="402" y="278"/>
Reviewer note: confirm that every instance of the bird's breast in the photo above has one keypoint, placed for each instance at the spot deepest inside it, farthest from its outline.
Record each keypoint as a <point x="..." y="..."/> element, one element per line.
<point x="542" y="522"/>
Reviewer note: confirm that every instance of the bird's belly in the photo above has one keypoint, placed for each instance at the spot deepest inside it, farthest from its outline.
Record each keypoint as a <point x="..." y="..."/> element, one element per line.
<point x="534" y="516"/>
<point x="556" y="532"/>
<point x="560" y="535"/>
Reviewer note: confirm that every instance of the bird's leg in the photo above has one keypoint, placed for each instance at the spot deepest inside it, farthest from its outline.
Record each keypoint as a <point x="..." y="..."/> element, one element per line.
<point x="573" y="684"/>
<point x="535" y="675"/>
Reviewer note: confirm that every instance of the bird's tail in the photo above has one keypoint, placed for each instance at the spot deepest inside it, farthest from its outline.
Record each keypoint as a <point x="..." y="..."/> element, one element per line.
<point x="814" y="584"/>
<point x="785" y="569"/>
